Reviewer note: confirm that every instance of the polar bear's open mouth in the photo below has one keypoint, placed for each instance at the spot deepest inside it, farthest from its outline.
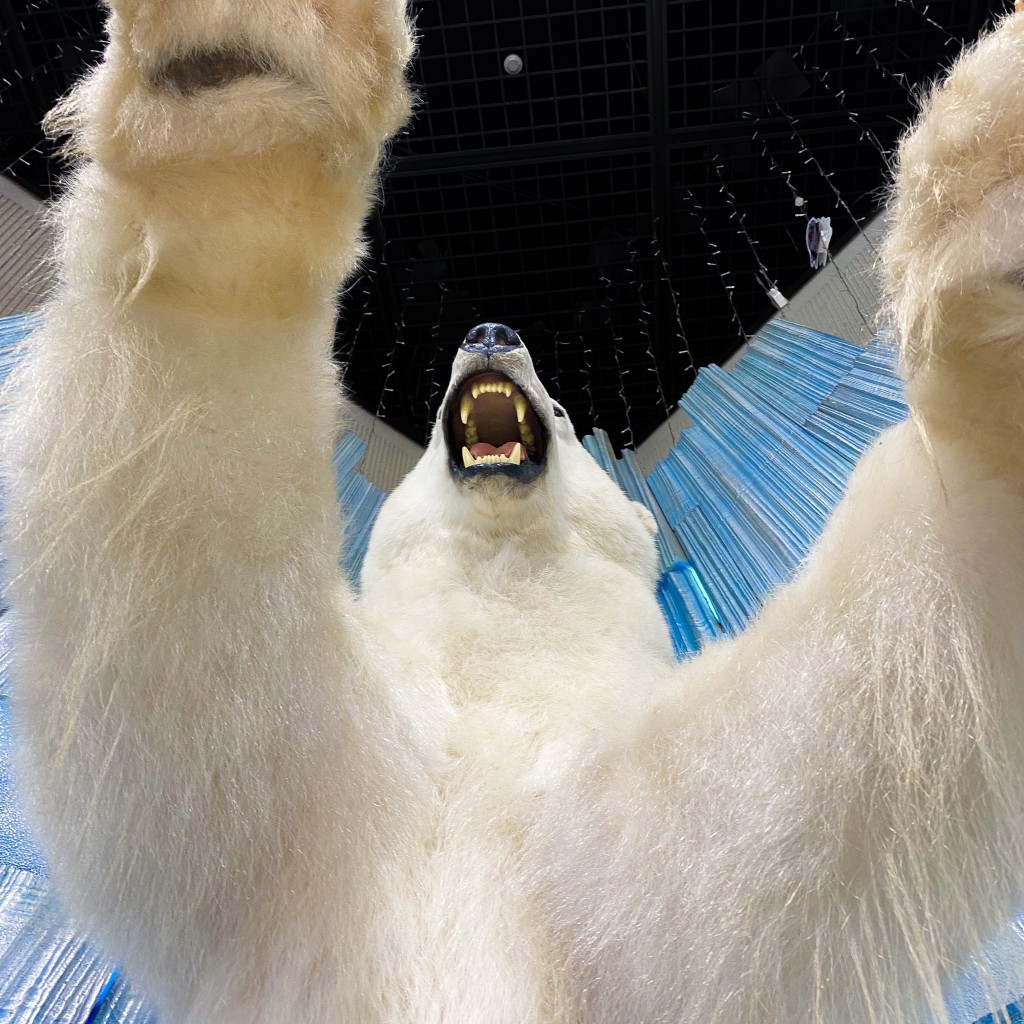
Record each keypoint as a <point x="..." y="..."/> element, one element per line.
<point x="491" y="427"/>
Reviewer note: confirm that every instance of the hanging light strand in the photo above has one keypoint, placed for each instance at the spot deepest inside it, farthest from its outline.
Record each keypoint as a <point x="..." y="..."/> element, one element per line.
<point x="645" y="332"/>
<point x="800" y="204"/>
<point x="617" y="354"/>
<point x="866" y="134"/>
<point x="690" y="366"/>
<point x="923" y="12"/>
<point x="435" y="350"/>
<point x="740" y="220"/>
<point x="825" y="175"/>
<point x="898" y="77"/>
<point x="399" y="342"/>
<point x="699" y="214"/>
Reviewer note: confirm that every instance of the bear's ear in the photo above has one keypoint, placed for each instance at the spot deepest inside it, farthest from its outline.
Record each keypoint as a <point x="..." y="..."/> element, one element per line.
<point x="645" y="516"/>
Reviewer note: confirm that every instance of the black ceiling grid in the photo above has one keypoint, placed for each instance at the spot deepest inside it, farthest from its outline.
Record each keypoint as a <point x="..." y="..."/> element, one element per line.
<point x="641" y="141"/>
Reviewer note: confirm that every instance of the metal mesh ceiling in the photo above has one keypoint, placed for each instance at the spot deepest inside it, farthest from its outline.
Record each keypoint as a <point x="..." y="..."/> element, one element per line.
<point x="624" y="200"/>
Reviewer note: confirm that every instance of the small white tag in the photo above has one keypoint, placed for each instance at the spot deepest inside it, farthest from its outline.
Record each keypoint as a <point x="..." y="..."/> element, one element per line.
<point x="778" y="298"/>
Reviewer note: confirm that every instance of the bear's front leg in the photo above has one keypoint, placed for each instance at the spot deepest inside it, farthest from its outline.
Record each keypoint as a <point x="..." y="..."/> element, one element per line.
<point x="818" y="821"/>
<point x="219" y="771"/>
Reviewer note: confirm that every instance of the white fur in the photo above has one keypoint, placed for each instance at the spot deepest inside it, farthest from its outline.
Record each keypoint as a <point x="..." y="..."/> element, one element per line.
<point x="483" y="792"/>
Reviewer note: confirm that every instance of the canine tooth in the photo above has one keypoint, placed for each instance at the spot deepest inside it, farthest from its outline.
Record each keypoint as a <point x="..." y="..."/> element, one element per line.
<point x="516" y="457"/>
<point x="520" y="404"/>
<point x="467" y="458"/>
<point x="465" y="408"/>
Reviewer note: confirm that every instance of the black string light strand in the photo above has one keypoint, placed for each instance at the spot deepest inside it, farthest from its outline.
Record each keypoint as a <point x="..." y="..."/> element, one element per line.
<point x="558" y="366"/>
<point x="32" y="10"/>
<point x="399" y="339"/>
<point x="435" y="346"/>
<point x="923" y="12"/>
<point x="767" y="282"/>
<point x="800" y="204"/>
<point x="366" y="280"/>
<point x="23" y="158"/>
<point x="871" y="53"/>
<point x="826" y="175"/>
<point x="617" y="357"/>
<point x="588" y="382"/>
<point x="20" y="79"/>
<point x="698" y="212"/>
<point x="690" y="366"/>
<point x="645" y="331"/>
<point x="839" y="95"/>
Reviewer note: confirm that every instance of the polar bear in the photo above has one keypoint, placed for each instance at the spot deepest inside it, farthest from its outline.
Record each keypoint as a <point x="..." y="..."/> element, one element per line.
<point x="483" y="791"/>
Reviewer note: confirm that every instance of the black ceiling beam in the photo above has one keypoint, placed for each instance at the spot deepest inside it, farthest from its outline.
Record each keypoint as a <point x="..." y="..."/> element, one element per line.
<point x="636" y="142"/>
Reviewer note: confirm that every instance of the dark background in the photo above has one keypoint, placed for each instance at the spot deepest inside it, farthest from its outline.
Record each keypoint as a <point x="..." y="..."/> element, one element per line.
<point x="624" y="202"/>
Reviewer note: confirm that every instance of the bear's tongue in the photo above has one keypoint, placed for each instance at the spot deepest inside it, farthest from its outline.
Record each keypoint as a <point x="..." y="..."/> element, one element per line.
<point x="481" y="448"/>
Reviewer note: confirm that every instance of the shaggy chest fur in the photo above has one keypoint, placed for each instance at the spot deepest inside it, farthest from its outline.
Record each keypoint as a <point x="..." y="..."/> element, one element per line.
<point x="520" y="647"/>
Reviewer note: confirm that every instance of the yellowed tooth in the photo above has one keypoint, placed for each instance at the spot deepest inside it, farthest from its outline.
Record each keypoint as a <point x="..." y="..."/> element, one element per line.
<point x="520" y="404"/>
<point x="465" y="408"/>
<point x="467" y="458"/>
<point x="476" y="389"/>
<point x="516" y="456"/>
<point x="471" y="434"/>
<point x="507" y="390"/>
<point x="526" y="434"/>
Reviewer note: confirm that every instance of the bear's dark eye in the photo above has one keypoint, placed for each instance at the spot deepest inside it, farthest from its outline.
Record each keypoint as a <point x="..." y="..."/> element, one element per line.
<point x="559" y="411"/>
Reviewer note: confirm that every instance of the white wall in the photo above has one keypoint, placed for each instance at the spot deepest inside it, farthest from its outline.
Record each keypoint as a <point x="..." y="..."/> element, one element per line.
<point x="26" y="241"/>
<point x="389" y="454"/>
<point x="844" y="298"/>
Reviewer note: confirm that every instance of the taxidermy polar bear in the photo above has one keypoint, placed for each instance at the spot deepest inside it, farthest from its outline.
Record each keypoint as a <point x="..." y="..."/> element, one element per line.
<point x="483" y="792"/>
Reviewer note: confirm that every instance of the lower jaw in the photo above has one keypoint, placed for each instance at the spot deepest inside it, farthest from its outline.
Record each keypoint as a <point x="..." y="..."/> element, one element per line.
<point x="523" y="474"/>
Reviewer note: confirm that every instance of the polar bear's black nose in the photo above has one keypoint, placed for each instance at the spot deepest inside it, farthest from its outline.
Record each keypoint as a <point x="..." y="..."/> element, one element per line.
<point x="491" y="339"/>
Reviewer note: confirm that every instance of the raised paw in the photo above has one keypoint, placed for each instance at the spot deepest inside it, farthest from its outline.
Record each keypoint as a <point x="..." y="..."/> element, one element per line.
<point x="187" y="79"/>
<point x="954" y="256"/>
